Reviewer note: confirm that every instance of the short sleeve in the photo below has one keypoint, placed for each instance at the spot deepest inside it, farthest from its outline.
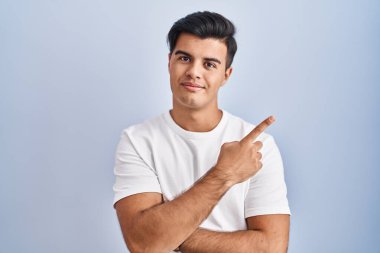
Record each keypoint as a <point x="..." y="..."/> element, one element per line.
<point x="132" y="174"/>
<point x="267" y="193"/>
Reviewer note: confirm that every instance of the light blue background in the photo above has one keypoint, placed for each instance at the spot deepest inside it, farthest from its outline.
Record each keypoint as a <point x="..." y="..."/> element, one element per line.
<point x="73" y="74"/>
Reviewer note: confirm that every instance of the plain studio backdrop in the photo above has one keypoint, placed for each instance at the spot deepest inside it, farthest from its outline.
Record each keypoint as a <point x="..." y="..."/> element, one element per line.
<point x="73" y="74"/>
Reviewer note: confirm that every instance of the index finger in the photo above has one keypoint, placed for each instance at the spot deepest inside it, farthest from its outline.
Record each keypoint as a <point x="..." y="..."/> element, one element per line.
<point x="258" y="130"/>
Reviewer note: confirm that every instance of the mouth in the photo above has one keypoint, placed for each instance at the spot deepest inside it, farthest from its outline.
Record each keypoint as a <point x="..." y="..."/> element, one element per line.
<point x="192" y="86"/>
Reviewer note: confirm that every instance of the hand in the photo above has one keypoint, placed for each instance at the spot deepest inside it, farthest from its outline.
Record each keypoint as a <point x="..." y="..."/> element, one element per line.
<point x="240" y="160"/>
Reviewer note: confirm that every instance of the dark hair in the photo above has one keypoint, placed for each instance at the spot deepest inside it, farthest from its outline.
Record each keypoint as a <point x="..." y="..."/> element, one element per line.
<point x="205" y="25"/>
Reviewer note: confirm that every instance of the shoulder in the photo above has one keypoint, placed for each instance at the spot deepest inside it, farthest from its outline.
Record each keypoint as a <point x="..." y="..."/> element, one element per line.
<point x="141" y="139"/>
<point x="146" y="130"/>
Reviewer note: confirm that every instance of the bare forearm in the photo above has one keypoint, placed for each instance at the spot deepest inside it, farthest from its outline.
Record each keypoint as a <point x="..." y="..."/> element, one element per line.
<point x="164" y="227"/>
<point x="206" y="241"/>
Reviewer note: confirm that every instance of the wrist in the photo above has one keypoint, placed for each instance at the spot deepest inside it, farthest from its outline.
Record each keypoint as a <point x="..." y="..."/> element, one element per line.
<point x="218" y="175"/>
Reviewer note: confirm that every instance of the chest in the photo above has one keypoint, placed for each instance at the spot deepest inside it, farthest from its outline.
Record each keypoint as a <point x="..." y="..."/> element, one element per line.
<point x="180" y="163"/>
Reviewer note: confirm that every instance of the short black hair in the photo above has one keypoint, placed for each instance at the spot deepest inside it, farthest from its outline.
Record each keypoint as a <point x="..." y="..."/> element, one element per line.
<point x="205" y="25"/>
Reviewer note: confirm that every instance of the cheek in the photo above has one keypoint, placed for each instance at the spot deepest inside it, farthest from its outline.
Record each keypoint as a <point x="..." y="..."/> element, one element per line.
<point x="215" y="81"/>
<point x="175" y="72"/>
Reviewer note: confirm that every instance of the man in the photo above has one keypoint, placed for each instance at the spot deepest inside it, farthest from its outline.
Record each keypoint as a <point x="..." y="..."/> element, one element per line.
<point x="196" y="178"/>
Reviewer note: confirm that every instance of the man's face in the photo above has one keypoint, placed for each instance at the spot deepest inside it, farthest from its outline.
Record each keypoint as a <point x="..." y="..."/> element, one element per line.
<point x="197" y="69"/>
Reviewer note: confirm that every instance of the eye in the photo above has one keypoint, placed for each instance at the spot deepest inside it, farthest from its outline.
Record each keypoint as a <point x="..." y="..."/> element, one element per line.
<point x="184" y="58"/>
<point x="210" y="65"/>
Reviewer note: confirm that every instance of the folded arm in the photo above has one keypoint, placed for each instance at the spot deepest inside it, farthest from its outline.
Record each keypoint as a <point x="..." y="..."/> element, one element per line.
<point x="266" y="233"/>
<point x="149" y="225"/>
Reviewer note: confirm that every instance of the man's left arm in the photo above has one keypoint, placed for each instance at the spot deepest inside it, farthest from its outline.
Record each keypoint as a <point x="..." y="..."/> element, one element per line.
<point x="266" y="233"/>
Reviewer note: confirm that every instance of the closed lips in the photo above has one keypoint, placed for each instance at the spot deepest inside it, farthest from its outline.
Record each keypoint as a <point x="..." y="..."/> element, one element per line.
<point x="192" y="85"/>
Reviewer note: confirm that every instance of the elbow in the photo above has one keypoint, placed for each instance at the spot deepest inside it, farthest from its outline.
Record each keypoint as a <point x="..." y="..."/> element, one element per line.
<point x="140" y="244"/>
<point x="140" y="238"/>
<point x="136" y="246"/>
<point x="133" y="245"/>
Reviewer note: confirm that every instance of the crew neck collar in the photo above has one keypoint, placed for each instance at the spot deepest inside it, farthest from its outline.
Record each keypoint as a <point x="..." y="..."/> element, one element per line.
<point x="196" y="135"/>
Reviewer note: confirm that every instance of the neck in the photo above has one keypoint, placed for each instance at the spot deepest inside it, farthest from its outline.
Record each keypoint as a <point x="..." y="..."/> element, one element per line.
<point x="203" y="120"/>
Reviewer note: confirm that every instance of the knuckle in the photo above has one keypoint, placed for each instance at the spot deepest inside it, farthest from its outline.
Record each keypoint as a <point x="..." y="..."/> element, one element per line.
<point x="258" y="145"/>
<point x="262" y="126"/>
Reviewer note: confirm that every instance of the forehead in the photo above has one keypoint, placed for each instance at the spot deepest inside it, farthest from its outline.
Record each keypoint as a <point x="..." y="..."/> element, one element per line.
<point x="198" y="47"/>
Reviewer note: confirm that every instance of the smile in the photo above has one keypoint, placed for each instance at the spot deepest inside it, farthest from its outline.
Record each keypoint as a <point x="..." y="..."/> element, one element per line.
<point x="191" y="86"/>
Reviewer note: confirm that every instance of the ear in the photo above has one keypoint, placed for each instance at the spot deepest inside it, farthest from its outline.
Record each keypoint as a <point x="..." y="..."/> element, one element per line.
<point x="227" y="75"/>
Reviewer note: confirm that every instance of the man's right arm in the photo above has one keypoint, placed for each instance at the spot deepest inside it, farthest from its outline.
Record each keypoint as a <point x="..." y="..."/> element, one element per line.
<point x="149" y="225"/>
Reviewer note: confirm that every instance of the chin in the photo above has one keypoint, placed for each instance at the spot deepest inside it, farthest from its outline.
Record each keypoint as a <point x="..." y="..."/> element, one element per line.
<point x="189" y="103"/>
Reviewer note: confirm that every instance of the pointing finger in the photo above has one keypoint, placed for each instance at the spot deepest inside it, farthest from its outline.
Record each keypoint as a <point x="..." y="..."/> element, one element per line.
<point x="258" y="130"/>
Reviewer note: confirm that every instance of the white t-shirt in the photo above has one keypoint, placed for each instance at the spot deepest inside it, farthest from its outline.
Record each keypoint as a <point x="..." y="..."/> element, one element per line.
<point x="160" y="156"/>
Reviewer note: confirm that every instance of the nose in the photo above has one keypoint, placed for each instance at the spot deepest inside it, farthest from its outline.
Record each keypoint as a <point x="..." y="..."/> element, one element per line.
<point x="194" y="71"/>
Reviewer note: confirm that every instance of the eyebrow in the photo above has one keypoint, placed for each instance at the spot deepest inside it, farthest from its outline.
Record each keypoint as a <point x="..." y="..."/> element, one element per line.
<point x="206" y="58"/>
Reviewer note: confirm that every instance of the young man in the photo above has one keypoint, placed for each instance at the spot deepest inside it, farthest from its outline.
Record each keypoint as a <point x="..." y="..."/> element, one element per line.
<point x="196" y="178"/>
